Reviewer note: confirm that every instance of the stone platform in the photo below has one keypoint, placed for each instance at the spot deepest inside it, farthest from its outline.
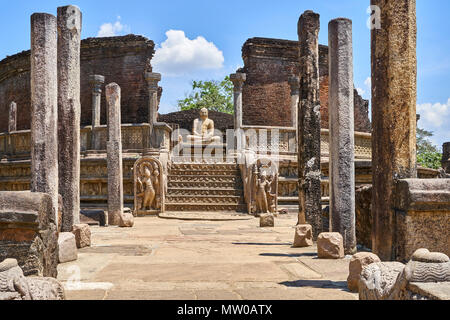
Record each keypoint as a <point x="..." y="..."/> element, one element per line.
<point x="162" y="259"/>
<point x="206" y="216"/>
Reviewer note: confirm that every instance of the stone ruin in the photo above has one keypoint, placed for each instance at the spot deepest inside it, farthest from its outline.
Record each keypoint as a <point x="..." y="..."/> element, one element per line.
<point x="308" y="153"/>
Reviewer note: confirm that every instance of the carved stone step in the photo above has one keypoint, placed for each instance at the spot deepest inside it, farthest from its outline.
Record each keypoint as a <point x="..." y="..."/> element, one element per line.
<point x="189" y="207"/>
<point x="204" y="192"/>
<point x="174" y="199"/>
<point x="203" y="178"/>
<point x="205" y="184"/>
<point x="204" y="166"/>
<point x="211" y="172"/>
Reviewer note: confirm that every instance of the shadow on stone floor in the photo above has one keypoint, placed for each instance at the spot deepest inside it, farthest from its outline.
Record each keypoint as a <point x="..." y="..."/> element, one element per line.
<point x="261" y="244"/>
<point x="323" y="284"/>
<point x="293" y="255"/>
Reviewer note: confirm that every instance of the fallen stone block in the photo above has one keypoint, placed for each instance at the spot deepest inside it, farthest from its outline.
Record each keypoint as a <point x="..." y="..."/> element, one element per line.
<point x="303" y="236"/>
<point x="330" y="245"/>
<point x="82" y="234"/>
<point x="378" y="280"/>
<point x="67" y="247"/>
<point x="267" y="220"/>
<point x="358" y="262"/>
<point x="126" y="220"/>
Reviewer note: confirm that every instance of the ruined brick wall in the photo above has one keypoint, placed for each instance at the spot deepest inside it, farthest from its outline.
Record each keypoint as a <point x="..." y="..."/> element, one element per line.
<point x="120" y="59"/>
<point x="185" y="119"/>
<point x="268" y="64"/>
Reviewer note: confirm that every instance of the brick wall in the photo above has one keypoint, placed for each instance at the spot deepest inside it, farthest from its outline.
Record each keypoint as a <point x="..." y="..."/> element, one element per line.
<point x="120" y="59"/>
<point x="268" y="64"/>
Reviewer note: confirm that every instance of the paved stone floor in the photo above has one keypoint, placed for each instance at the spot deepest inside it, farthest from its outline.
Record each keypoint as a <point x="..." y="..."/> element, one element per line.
<point x="166" y="259"/>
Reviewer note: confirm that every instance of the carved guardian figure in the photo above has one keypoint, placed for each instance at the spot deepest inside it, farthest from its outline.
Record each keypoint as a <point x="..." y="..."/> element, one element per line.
<point x="148" y="186"/>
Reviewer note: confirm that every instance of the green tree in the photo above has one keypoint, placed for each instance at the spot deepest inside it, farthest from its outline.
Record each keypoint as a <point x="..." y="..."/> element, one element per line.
<point x="213" y="95"/>
<point x="428" y="155"/>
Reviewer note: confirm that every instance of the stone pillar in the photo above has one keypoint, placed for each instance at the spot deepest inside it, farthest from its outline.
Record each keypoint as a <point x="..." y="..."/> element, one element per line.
<point x="309" y="124"/>
<point x="446" y="157"/>
<point x="96" y="82"/>
<point x="294" y="82"/>
<point x="152" y="80"/>
<point x="394" y="94"/>
<point x="44" y="107"/>
<point x="238" y="80"/>
<point x="114" y="155"/>
<point x="69" y="113"/>
<point x="12" y="117"/>
<point x="342" y="132"/>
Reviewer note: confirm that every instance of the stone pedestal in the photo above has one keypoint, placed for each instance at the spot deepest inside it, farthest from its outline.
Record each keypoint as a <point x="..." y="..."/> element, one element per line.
<point x="238" y="80"/>
<point x="394" y="91"/>
<point x="303" y="236"/>
<point x="342" y="132"/>
<point x="267" y="220"/>
<point x="67" y="247"/>
<point x="330" y="245"/>
<point x="12" y="117"/>
<point x="44" y="107"/>
<point x="309" y="123"/>
<point x="69" y="113"/>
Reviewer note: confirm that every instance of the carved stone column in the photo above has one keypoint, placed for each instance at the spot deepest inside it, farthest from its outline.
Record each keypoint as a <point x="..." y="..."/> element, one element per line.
<point x="152" y="79"/>
<point x="238" y="80"/>
<point x="96" y="82"/>
<point x="394" y="94"/>
<point x="12" y="117"/>
<point x="446" y="157"/>
<point x="44" y="107"/>
<point x="69" y="113"/>
<point x="310" y="195"/>
<point x="294" y="82"/>
<point x="342" y="132"/>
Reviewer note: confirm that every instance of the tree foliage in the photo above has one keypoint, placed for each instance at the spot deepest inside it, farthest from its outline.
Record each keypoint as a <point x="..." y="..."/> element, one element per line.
<point x="213" y="95"/>
<point x="428" y="155"/>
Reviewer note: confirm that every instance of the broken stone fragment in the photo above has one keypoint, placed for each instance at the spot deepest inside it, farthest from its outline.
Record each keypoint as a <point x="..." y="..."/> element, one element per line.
<point x="358" y="262"/>
<point x="67" y="247"/>
<point x="82" y="234"/>
<point x="330" y="245"/>
<point x="267" y="220"/>
<point x="303" y="236"/>
<point x="378" y="280"/>
<point x="126" y="220"/>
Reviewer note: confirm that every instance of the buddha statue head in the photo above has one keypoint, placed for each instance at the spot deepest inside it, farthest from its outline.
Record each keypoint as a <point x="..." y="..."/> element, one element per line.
<point x="204" y="114"/>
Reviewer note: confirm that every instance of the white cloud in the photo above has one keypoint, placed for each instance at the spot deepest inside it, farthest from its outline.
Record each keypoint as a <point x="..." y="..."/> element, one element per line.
<point x="179" y="55"/>
<point x="111" y="29"/>
<point x="436" y="117"/>
<point x="368" y="82"/>
<point x="361" y="91"/>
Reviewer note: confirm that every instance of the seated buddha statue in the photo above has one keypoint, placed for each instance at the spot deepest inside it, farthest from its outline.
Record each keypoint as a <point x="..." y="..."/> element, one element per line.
<point x="203" y="130"/>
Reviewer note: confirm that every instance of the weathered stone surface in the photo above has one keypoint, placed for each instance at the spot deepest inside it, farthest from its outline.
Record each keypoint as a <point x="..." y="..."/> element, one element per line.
<point x="126" y="220"/>
<point x="69" y="113"/>
<point x="15" y="286"/>
<point x="267" y="220"/>
<point x="309" y="173"/>
<point x="446" y="157"/>
<point x="294" y="83"/>
<point x="363" y="202"/>
<point x="114" y="155"/>
<point x="303" y="236"/>
<point x="12" y="117"/>
<point x="44" y="106"/>
<point x="149" y="191"/>
<point x="96" y="82"/>
<point x="238" y="80"/>
<point x="152" y="79"/>
<point x="342" y="136"/>
<point x="82" y="234"/>
<point x="358" y="262"/>
<point x="100" y="216"/>
<point x="378" y="280"/>
<point x="28" y="232"/>
<point x="330" y="245"/>
<point x="394" y="95"/>
<point x="67" y="247"/>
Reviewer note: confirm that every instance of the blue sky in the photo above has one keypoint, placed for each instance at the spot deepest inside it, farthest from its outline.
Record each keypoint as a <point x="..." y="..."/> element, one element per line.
<point x="202" y="39"/>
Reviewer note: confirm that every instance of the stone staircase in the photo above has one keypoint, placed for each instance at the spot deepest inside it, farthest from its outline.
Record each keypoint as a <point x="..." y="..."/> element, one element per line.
<point x="213" y="187"/>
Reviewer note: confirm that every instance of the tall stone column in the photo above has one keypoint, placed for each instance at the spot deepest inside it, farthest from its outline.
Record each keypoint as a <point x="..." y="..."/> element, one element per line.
<point x="96" y="82"/>
<point x="309" y="124"/>
<point x="394" y="94"/>
<point x="114" y="155"/>
<point x="152" y="79"/>
<point x="44" y="107"/>
<point x="238" y="80"/>
<point x="294" y="82"/>
<point x="342" y="132"/>
<point x="12" y="117"/>
<point x="446" y="157"/>
<point x="69" y="113"/>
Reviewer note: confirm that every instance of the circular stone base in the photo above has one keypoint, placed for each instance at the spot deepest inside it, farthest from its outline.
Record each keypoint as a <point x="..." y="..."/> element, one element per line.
<point x="206" y="216"/>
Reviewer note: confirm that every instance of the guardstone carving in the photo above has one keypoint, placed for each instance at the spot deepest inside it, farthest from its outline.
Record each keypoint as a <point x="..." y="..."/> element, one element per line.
<point x="148" y="187"/>
<point x="264" y="186"/>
